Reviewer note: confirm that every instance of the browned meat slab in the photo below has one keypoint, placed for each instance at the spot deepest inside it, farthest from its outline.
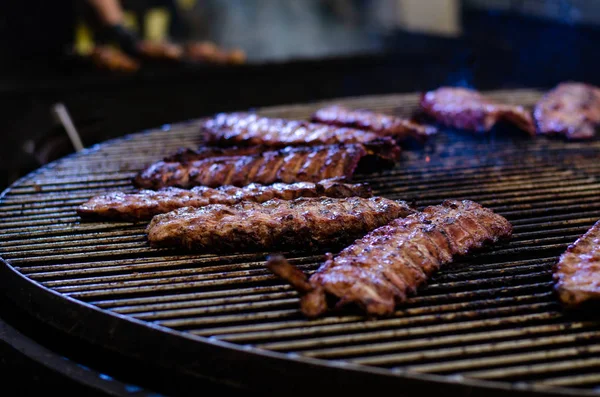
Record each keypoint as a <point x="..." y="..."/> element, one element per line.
<point x="107" y="57"/>
<point x="251" y="129"/>
<point x="577" y="273"/>
<point x="147" y="203"/>
<point x="571" y="109"/>
<point x="469" y="110"/>
<point x="209" y="52"/>
<point x="274" y="224"/>
<point x="382" y="124"/>
<point x="185" y="155"/>
<point x="391" y="262"/>
<point x="288" y="165"/>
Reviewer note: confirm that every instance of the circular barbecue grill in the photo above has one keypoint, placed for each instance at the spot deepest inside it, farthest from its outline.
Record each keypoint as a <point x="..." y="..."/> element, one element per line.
<point x="487" y="324"/>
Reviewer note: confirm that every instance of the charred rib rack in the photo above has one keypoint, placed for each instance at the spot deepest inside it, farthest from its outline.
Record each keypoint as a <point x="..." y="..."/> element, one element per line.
<point x="276" y="224"/>
<point x="382" y="124"/>
<point x="577" y="274"/>
<point x="250" y="129"/>
<point x="288" y="165"/>
<point x="147" y="203"/>
<point x="381" y="269"/>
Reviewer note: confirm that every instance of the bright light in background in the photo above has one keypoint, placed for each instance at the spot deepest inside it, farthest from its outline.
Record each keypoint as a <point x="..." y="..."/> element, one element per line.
<point x="439" y="17"/>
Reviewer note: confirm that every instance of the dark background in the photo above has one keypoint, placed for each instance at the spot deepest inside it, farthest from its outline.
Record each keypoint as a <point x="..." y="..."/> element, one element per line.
<point x="314" y="50"/>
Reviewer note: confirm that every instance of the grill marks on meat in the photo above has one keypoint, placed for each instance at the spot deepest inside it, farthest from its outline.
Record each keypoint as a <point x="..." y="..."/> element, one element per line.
<point x="469" y="110"/>
<point x="274" y="224"/>
<point x="571" y="109"/>
<point x="250" y="129"/>
<point x="147" y="203"/>
<point x="385" y="266"/>
<point x="577" y="273"/>
<point x="288" y="165"/>
<point x="382" y="124"/>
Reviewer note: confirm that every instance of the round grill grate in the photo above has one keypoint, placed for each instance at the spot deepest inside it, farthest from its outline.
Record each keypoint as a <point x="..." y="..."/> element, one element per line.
<point x="488" y="323"/>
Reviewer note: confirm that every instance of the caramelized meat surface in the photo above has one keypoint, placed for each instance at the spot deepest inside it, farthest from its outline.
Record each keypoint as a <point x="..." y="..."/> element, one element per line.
<point x="209" y="52"/>
<point x="469" y="110"/>
<point x="571" y="109"/>
<point x="288" y="165"/>
<point x="385" y="266"/>
<point x="250" y="129"/>
<point x="163" y="50"/>
<point x="106" y="57"/>
<point x="382" y="124"/>
<point x="147" y="203"/>
<point x="274" y="224"/>
<point x="577" y="273"/>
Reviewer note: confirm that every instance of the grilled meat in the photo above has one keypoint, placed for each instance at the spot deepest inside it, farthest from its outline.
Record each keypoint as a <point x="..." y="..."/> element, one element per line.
<point x="469" y="110"/>
<point x="208" y="52"/>
<point x="382" y="124"/>
<point x="571" y="109"/>
<point x="577" y="273"/>
<point x="163" y="50"/>
<point x="186" y="155"/>
<point x="381" y="269"/>
<point x="106" y="57"/>
<point x="250" y="129"/>
<point x="274" y="224"/>
<point x="147" y="203"/>
<point x="288" y="165"/>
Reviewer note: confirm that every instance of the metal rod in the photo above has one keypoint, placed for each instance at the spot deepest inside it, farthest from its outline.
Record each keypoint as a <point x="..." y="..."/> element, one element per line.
<point x="63" y="115"/>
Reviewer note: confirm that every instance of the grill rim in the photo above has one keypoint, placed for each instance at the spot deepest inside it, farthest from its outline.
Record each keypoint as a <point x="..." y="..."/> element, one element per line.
<point x="64" y="313"/>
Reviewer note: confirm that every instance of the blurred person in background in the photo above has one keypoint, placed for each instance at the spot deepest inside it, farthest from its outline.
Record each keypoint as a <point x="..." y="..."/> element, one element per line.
<point x="41" y="34"/>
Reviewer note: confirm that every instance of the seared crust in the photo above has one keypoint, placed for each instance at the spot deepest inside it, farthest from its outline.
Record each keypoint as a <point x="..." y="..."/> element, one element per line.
<point x="288" y="165"/>
<point x="385" y="266"/>
<point x="577" y="273"/>
<point x="147" y="203"/>
<point x="469" y="110"/>
<point x="274" y="224"/>
<point x="382" y="124"/>
<point x="571" y="109"/>
<point x="250" y="129"/>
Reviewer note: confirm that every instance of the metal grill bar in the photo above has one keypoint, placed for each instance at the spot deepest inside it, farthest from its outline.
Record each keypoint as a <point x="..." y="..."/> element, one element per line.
<point x="198" y="280"/>
<point x="564" y="364"/>
<point x="499" y="347"/>
<point x="193" y="301"/>
<point x="578" y="380"/>
<point x="401" y="327"/>
<point x="431" y="345"/>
